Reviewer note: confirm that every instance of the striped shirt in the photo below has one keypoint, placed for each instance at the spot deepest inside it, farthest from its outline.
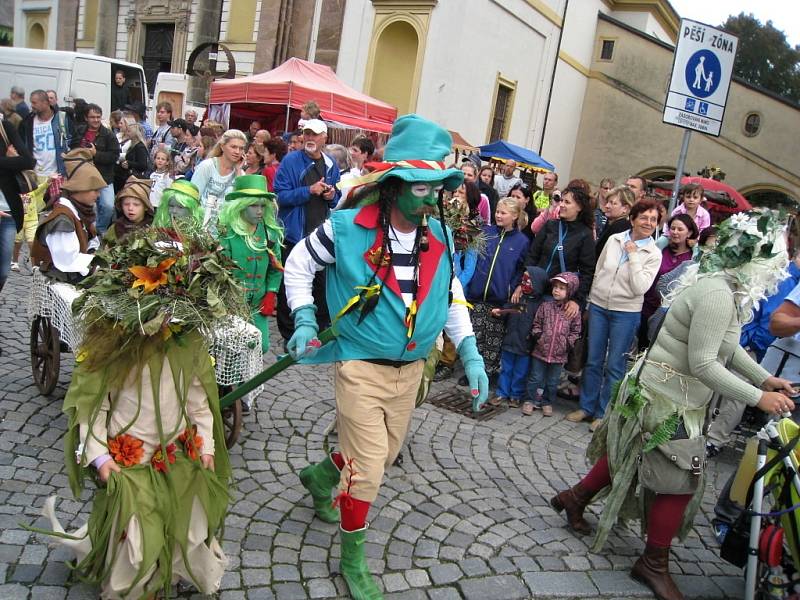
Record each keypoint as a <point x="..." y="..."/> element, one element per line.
<point x="318" y="251"/>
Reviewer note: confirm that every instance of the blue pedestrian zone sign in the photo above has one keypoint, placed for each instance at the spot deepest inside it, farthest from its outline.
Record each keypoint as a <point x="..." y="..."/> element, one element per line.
<point x="701" y="74"/>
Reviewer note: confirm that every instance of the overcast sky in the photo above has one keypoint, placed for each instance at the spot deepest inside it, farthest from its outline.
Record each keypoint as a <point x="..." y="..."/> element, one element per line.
<point x="784" y="14"/>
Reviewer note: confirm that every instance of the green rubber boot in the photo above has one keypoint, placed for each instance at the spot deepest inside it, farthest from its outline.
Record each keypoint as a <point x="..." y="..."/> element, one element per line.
<point x="320" y="479"/>
<point x="353" y="566"/>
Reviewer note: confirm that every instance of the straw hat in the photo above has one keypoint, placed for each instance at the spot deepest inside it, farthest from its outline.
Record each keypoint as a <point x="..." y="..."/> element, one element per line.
<point x="82" y="176"/>
<point x="138" y="189"/>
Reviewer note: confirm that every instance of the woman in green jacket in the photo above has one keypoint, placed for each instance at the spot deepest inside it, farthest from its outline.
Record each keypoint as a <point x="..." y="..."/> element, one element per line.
<point x="665" y="396"/>
<point x="251" y="235"/>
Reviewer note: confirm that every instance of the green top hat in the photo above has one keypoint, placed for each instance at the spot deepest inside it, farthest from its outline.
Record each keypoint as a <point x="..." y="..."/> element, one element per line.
<point x="418" y="148"/>
<point x="254" y="186"/>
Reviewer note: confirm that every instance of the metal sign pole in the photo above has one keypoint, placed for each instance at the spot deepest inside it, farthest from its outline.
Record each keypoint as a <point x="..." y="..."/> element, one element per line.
<point x="676" y="186"/>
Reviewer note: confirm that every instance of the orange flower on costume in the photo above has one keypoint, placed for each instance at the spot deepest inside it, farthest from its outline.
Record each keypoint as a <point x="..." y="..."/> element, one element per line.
<point x="126" y="450"/>
<point x="151" y="278"/>
<point x="158" y="462"/>
<point x="192" y="443"/>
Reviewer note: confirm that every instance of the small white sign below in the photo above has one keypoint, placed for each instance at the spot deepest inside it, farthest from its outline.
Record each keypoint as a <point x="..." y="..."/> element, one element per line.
<point x="701" y="77"/>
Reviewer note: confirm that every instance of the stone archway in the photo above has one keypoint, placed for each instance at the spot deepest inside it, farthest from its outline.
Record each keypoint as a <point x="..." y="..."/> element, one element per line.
<point x="661" y="173"/>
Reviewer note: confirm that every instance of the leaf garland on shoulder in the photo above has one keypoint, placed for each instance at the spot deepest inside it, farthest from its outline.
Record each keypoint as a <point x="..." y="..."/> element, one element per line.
<point x="158" y="282"/>
<point x="630" y="406"/>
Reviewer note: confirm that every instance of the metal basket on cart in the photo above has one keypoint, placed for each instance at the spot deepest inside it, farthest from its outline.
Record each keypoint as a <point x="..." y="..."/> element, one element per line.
<point x="234" y="344"/>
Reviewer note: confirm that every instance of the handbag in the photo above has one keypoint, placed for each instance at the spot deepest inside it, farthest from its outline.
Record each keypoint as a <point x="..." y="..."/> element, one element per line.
<point x="576" y="355"/>
<point x="675" y="466"/>
<point x="27" y="180"/>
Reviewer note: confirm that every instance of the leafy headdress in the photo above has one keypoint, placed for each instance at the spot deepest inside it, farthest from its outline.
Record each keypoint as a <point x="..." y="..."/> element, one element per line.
<point x="159" y="282"/>
<point x="750" y="254"/>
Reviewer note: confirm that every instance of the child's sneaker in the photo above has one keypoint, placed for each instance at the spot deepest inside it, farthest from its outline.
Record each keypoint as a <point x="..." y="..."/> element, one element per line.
<point x="547" y="410"/>
<point x="528" y="408"/>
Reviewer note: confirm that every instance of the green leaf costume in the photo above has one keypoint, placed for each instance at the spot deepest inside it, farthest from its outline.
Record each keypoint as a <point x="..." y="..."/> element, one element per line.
<point x="144" y="394"/>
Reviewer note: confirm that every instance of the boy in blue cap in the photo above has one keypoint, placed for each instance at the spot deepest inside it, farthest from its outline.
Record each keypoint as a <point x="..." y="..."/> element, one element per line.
<point x="390" y="285"/>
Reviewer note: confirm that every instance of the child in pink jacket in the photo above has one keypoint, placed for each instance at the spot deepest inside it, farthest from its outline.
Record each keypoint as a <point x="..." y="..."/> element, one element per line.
<point x="555" y="334"/>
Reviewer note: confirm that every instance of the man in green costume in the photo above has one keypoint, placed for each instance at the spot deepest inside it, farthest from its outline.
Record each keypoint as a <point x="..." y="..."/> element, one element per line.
<point x="251" y="236"/>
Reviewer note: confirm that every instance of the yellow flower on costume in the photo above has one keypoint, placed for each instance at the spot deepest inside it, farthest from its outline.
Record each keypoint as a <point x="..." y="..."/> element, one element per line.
<point x="151" y="278"/>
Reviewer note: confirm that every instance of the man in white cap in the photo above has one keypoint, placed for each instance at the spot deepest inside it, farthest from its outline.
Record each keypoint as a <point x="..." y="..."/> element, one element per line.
<point x="306" y="186"/>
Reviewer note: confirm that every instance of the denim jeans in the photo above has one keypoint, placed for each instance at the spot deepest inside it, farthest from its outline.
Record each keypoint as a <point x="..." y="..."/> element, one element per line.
<point x="105" y="209"/>
<point x="610" y="335"/>
<point x="544" y="376"/>
<point x="513" y="372"/>
<point x="8" y="231"/>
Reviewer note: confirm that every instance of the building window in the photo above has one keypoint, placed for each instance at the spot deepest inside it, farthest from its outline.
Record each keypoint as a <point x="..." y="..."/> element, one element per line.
<point x="503" y="105"/>
<point x="89" y="20"/>
<point x="752" y="124"/>
<point x="241" y="21"/>
<point x="606" y="50"/>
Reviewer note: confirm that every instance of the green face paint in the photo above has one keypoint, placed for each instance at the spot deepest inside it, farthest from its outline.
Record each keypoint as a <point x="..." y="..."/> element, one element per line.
<point x="254" y="213"/>
<point x="177" y="210"/>
<point x="418" y="198"/>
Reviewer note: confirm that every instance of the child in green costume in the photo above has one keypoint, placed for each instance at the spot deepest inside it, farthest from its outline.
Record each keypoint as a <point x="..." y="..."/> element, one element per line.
<point x="181" y="200"/>
<point x="144" y="416"/>
<point x="251" y="235"/>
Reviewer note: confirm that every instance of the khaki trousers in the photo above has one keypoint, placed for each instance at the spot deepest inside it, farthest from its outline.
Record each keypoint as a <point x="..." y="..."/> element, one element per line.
<point x="373" y="411"/>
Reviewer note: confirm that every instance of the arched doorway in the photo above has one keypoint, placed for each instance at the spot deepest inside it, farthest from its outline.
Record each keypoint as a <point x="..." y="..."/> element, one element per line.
<point x="394" y="66"/>
<point x="658" y="173"/>
<point x="36" y="37"/>
<point x="771" y="196"/>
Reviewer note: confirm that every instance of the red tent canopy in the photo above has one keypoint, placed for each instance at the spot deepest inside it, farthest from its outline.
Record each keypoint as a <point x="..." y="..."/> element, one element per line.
<point x="297" y="81"/>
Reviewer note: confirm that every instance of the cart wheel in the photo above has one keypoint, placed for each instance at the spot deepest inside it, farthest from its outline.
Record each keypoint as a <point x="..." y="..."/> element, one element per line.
<point x="231" y="418"/>
<point x="45" y="354"/>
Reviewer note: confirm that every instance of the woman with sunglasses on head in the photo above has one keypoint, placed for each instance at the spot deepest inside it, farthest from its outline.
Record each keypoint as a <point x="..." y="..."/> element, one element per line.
<point x="616" y="209"/>
<point x="521" y="192"/>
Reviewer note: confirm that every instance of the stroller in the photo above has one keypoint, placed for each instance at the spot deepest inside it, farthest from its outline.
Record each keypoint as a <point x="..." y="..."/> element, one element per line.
<point x="765" y="537"/>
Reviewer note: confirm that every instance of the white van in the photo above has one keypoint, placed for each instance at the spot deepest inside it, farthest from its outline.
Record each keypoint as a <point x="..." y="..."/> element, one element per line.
<point x="70" y="74"/>
<point x="173" y="88"/>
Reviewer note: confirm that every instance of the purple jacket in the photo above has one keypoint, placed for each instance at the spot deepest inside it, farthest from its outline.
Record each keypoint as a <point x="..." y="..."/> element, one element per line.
<point x="556" y="334"/>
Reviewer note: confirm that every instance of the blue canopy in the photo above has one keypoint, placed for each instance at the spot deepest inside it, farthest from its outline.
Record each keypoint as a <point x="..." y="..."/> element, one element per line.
<point x="507" y="151"/>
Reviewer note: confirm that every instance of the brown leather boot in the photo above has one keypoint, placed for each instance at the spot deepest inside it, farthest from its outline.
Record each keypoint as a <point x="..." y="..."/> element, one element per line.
<point x="574" y="501"/>
<point x="652" y="569"/>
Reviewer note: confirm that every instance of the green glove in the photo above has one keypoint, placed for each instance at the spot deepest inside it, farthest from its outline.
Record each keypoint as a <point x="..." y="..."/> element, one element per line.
<point x="304" y="342"/>
<point x="475" y="372"/>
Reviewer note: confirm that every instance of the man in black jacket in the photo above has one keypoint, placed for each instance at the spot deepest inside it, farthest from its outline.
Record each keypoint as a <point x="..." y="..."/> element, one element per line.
<point x="14" y="158"/>
<point x="105" y="147"/>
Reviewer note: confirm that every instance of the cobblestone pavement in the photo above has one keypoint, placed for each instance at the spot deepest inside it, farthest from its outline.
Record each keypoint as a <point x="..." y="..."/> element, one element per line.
<point x="465" y="516"/>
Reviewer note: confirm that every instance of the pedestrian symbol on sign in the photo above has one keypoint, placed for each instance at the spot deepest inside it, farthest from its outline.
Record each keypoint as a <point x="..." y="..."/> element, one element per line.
<point x="703" y="73"/>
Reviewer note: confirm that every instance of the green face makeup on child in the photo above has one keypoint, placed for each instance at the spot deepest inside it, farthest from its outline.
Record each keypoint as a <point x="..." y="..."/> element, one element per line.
<point x="254" y="214"/>
<point x="178" y="211"/>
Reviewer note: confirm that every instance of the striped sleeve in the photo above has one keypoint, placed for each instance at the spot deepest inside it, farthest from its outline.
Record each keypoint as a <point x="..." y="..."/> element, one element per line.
<point x="319" y="244"/>
<point x="309" y="256"/>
